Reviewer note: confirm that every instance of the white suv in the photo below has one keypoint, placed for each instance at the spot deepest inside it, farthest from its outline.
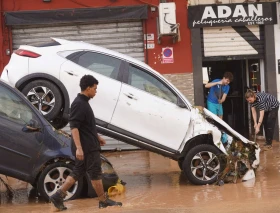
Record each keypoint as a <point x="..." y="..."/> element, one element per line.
<point x="134" y="104"/>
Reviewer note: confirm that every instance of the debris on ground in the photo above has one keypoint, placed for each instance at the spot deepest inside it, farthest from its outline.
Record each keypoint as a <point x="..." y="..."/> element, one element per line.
<point x="117" y="189"/>
<point x="7" y="189"/>
<point x="237" y="162"/>
<point x="238" y="156"/>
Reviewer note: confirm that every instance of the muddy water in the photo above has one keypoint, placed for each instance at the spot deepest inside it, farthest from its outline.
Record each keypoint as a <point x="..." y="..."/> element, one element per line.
<point x="155" y="184"/>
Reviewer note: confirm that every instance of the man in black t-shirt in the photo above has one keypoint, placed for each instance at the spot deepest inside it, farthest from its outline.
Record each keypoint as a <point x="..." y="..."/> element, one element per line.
<point x="85" y="146"/>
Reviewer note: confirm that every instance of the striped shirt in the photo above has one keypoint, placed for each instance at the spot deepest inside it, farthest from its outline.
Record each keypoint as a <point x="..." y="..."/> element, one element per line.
<point x="265" y="101"/>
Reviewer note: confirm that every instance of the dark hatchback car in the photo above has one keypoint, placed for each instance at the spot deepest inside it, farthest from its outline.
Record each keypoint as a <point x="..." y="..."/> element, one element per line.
<point x="33" y="151"/>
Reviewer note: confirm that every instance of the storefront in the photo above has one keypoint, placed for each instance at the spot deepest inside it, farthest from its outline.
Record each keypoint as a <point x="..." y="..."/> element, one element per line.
<point x="238" y="38"/>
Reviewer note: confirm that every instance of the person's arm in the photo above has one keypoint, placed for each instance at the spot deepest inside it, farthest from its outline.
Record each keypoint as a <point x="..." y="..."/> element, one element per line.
<point x="211" y="84"/>
<point x="260" y="121"/>
<point x="101" y="140"/>
<point x="76" y="138"/>
<point x="254" y="114"/>
<point x="223" y="98"/>
<point x="257" y="124"/>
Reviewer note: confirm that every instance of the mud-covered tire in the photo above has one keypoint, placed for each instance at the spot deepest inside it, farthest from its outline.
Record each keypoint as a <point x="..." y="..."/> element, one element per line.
<point x="45" y="96"/>
<point x="52" y="178"/>
<point x="203" y="164"/>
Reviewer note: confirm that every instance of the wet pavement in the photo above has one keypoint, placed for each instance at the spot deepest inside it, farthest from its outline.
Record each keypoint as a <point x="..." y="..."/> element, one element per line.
<point x="156" y="184"/>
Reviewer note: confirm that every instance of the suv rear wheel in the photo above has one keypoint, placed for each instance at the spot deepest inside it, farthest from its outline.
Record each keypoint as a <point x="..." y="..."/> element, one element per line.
<point x="45" y="96"/>
<point x="202" y="164"/>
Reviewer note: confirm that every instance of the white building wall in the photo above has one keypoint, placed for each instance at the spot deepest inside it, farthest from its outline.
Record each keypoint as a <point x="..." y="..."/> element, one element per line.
<point x="277" y="50"/>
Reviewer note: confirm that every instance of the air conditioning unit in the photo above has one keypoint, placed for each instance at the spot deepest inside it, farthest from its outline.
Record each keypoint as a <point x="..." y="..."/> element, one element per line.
<point x="167" y="18"/>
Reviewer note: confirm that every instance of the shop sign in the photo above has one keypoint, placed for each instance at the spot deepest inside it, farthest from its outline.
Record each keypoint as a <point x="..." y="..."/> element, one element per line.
<point x="232" y="15"/>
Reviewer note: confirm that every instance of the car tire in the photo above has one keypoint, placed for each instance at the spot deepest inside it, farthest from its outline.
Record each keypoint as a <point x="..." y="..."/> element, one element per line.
<point x="194" y="168"/>
<point x="51" y="104"/>
<point x="180" y="164"/>
<point x="52" y="178"/>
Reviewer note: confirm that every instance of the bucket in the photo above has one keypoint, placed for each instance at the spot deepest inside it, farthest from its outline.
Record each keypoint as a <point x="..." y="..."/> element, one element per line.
<point x="116" y="190"/>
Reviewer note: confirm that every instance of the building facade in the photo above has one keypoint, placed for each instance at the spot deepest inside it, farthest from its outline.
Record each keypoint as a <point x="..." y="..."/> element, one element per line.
<point x="241" y="38"/>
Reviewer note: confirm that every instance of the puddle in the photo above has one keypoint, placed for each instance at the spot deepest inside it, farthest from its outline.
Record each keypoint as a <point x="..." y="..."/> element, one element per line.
<point x="156" y="184"/>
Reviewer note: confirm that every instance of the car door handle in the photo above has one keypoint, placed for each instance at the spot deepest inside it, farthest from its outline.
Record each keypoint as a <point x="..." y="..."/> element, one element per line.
<point x="71" y="73"/>
<point x="131" y="96"/>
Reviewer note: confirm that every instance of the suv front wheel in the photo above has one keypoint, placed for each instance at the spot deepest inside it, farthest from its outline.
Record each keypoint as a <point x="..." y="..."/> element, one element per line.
<point x="203" y="164"/>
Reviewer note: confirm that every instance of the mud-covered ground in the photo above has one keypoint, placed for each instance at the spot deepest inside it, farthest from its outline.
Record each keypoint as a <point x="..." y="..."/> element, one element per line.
<point x="156" y="184"/>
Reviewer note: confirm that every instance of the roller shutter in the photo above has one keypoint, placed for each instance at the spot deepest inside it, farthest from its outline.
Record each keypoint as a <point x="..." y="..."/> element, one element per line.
<point x="124" y="37"/>
<point x="233" y="42"/>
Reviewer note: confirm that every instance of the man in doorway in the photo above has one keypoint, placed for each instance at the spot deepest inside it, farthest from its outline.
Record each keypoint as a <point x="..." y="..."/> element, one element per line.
<point x="219" y="89"/>
<point x="85" y="146"/>
<point x="268" y="106"/>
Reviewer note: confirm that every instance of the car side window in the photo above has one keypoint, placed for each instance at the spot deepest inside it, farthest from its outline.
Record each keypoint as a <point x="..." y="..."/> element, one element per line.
<point x="13" y="107"/>
<point x="70" y="55"/>
<point x="142" y="80"/>
<point x="99" y="63"/>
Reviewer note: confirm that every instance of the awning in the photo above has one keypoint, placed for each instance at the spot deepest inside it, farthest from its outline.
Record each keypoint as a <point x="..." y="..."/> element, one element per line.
<point x="77" y="15"/>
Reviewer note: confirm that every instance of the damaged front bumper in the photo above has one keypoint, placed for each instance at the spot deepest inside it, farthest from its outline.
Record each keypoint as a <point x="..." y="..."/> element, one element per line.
<point x="238" y="150"/>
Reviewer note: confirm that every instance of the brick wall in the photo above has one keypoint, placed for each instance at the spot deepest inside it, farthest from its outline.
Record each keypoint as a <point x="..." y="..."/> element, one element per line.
<point x="183" y="82"/>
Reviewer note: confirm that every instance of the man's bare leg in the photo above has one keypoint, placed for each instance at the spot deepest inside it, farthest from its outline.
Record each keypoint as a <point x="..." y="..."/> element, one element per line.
<point x="69" y="182"/>
<point x="98" y="187"/>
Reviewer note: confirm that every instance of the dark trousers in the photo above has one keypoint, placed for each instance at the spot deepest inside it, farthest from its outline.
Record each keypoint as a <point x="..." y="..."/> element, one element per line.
<point x="269" y="121"/>
<point x="91" y="164"/>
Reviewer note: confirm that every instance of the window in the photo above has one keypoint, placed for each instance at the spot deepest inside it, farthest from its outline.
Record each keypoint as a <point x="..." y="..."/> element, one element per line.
<point x="102" y="64"/>
<point x="13" y="107"/>
<point x="144" y="81"/>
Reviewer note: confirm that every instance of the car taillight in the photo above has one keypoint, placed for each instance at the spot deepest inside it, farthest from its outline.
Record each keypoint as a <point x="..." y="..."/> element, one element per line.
<point x="27" y="53"/>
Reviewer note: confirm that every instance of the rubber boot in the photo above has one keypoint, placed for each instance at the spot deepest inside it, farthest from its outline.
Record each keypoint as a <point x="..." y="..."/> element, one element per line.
<point x="57" y="200"/>
<point x="104" y="201"/>
<point x="108" y="202"/>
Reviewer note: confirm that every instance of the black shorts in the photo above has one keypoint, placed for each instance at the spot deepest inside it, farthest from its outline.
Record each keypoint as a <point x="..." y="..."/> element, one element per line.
<point x="91" y="164"/>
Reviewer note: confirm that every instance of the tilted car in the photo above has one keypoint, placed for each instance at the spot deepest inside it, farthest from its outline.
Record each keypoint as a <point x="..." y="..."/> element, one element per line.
<point x="134" y="104"/>
<point x="33" y="151"/>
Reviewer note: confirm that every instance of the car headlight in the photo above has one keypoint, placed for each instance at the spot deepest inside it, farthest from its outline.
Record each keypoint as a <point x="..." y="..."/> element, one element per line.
<point x="107" y="168"/>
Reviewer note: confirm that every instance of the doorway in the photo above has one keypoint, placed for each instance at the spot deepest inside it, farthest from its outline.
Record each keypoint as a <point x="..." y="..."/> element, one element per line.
<point x="235" y="107"/>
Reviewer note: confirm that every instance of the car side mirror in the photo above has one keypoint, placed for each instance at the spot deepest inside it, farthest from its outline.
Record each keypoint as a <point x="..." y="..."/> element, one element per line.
<point x="180" y="103"/>
<point x="31" y="126"/>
